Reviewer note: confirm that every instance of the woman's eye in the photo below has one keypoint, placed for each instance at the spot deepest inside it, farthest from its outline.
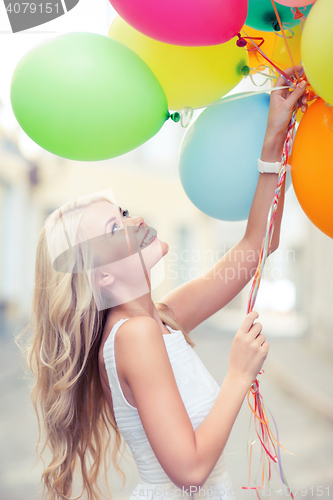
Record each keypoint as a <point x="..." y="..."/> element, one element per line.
<point x="125" y="213"/>
<point x="115" y="227"/>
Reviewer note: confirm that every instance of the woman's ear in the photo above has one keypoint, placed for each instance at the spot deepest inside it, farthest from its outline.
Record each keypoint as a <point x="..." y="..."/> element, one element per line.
<point x="106" y="279"/>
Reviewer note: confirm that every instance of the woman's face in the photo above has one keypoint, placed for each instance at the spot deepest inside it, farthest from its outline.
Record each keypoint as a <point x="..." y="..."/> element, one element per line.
<point x="121" y="241"/>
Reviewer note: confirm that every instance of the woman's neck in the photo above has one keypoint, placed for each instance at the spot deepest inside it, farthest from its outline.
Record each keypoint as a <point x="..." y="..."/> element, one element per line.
<point x="142" y="306"/>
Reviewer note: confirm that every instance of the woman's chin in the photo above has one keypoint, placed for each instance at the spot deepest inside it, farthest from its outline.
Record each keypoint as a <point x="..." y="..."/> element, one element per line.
<point x="165" y="247"/>
<point x="154" y="252"/>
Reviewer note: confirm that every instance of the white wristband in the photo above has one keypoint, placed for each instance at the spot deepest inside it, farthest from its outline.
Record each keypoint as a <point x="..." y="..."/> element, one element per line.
<point x="271" y="168"/>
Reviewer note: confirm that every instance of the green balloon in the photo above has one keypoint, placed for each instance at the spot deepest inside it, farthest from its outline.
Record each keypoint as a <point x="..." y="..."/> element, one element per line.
<point x="87" y="97"/>
<point x="261" y="15"/>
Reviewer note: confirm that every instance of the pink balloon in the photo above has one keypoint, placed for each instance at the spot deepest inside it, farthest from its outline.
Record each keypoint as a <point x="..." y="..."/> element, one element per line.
<point x="295" y="3"/>
<point x="185" y="22"/>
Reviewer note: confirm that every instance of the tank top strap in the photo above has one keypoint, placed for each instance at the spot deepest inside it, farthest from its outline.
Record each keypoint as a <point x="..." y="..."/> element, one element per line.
<point x="118" y="397"/>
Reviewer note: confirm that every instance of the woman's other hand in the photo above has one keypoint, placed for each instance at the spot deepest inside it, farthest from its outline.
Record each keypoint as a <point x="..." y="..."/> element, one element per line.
<point x="248" y="350"/>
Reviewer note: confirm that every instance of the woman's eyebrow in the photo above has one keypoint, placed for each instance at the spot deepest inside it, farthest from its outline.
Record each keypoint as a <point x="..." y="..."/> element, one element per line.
<point x="108" y="222"/>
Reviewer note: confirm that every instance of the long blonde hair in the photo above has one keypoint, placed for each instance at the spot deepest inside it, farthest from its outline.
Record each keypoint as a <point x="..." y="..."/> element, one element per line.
<point x="65" y="332"/>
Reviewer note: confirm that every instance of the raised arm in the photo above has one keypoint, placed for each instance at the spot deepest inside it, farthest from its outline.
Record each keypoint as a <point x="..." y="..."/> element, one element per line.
<point x="187" y="456"/>
<point x="198" y="299"/>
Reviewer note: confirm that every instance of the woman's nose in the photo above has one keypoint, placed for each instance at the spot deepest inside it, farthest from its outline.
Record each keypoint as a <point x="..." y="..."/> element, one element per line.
<point x="137" y="221"/>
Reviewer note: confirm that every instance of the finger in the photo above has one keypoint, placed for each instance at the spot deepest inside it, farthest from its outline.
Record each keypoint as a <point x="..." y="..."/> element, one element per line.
<point x="255" y="330"/>
<point x="295" y="95"/>
<point x="248" y="321"/>
<point x="260" y="339"/>
<point x="265" y="348"/>
<point x="289" y="71"/>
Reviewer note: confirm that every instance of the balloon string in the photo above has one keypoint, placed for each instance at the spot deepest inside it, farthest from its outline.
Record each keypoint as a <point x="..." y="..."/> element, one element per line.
<point x="272" y="213"/>
<point x="266" y="443"/>
<point x="127" y="241"/>
<point x="259" y="71"/>
<point x="279" y="70"/>
<point x="286" y="28"/>
<point x="257" y="408"/>
<point x="268" y="77"/>
<point x="188" y="112"/>
<point x="298" y="14"/>
<point x="284" y="38"/>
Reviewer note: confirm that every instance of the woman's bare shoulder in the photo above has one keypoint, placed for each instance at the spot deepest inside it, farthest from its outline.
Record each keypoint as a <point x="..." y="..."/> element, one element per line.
<point x="133" y="328"/>
<point x="132" y="324"/>
<point x="137" y="329"/>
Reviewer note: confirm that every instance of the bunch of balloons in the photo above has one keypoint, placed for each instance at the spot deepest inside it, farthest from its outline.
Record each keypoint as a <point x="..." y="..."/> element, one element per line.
<point x="91" y="97"/>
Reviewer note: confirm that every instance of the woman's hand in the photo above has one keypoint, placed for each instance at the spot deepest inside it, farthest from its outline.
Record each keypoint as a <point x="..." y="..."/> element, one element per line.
<point x="281" y="107"/>
<point x="282" y="104"/>
<point x="248" y="350"/>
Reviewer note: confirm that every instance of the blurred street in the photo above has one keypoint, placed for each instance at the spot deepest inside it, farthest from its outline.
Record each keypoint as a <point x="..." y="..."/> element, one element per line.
<point x="305" y="427"/>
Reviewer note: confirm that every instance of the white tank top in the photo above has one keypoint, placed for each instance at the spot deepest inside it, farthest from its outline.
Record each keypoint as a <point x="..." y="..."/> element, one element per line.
<point x="198" y="390"/>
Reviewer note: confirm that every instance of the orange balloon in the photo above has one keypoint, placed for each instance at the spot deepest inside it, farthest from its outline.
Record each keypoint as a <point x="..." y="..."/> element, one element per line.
<point x="300" y="115"/>
<point x="312" y="165"/>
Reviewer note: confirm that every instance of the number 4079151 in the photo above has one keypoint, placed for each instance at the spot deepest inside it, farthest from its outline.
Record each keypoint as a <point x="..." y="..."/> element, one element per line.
<point x="32" y="8"/>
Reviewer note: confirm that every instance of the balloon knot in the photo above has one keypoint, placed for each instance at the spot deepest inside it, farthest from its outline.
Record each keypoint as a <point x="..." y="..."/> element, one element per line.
<point x="275" y="25"/>
<point x="297" y="13"/>
<point x="241" y="42"/>
<point x="174" y="116"/>
<point x="245" y="70"/>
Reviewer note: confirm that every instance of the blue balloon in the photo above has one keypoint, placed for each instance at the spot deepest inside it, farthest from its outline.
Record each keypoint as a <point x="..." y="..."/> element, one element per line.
<point x="219" y="154"/>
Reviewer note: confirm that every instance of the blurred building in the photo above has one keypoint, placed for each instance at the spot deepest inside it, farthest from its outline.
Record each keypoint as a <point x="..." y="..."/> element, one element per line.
<point x="316" y="280"/>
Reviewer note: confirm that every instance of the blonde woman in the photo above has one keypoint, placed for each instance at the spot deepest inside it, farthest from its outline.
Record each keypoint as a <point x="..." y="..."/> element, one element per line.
<point x="109" y="363"/>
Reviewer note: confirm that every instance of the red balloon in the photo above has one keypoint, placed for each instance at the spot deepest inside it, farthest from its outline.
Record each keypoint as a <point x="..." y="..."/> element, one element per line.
<point x="185" y="22"/>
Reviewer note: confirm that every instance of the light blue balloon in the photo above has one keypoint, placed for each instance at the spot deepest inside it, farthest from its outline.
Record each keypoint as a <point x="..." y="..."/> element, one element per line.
<point x="219" y="154"/>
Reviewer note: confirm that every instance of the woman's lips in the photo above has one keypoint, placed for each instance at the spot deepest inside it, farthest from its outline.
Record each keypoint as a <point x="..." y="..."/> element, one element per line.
<point x="152" y="235"/>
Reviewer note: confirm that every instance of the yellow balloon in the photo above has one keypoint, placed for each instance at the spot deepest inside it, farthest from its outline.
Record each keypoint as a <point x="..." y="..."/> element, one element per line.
<point x="317" y="49"/>
<point x="190" y="76"/>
